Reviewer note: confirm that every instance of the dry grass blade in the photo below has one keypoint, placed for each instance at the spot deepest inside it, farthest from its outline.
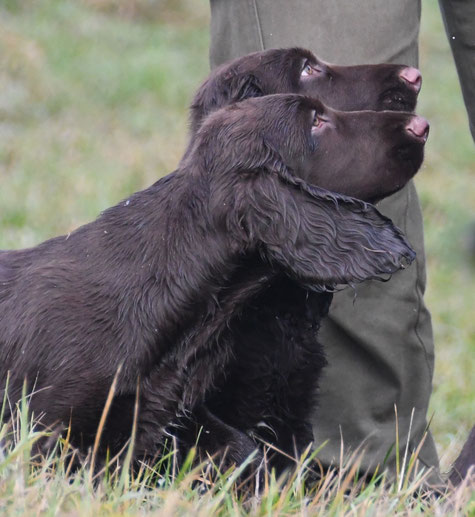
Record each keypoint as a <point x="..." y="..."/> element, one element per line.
<point x="124" y="474"/>
<point x="102" y="422"/>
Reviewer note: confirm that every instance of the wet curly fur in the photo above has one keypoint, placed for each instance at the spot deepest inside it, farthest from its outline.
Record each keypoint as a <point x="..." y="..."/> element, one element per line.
<point x="151" y="291"/>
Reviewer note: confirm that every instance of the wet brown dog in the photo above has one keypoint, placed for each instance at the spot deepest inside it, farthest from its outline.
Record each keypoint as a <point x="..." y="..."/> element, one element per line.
<point x="150" y="287"/>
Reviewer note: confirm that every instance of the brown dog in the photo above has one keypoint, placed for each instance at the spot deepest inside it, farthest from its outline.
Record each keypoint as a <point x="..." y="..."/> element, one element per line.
<point x="148" y="288"/>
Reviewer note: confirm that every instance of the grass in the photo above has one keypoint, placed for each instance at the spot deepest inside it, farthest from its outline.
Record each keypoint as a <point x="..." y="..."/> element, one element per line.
<point x="93" y="97"/>
<point x="53" y="486"/>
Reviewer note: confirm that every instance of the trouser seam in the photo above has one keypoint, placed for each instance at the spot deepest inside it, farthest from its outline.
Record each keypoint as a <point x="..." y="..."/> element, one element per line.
<point x="421" y="341"/>
<point x="418" y="295"/>
<point x="417" y="285"/>
<point x="258" y="22"/>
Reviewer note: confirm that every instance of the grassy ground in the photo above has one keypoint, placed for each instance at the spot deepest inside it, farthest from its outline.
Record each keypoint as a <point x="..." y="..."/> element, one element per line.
<point x="93" y="97"/>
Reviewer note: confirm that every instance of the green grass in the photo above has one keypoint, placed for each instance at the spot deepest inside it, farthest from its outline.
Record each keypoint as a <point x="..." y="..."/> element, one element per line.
<point x="92" y="107"/>
<point x="93" y="99"/>
<point x="53" y="486"/>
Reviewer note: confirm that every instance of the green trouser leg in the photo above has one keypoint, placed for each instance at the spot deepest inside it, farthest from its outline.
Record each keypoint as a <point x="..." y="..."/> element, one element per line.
<point x="459" y="19"/>
<point x="380" y="346"/>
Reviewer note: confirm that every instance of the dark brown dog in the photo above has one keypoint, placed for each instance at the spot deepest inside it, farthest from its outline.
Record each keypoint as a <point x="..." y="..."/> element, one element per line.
<point x="146" y="290"/>
<point x="269" y="388"/>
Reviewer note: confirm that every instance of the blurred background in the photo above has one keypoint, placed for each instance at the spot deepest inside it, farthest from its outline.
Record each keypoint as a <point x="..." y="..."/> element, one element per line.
<point x="93" y="106"/>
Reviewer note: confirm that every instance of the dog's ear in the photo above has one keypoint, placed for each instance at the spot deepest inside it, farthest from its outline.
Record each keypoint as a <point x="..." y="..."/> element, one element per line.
<point x="220" y="91"/>
<point x="321" y="238"/>
<point x="241" y="87"/>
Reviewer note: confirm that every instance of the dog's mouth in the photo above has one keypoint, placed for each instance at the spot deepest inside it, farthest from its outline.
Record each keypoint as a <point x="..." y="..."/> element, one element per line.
<point x="411" y="156"/>
<point x="399" y="98"/>
<point x="410" y="153"/>
<point x="407" y="160"/>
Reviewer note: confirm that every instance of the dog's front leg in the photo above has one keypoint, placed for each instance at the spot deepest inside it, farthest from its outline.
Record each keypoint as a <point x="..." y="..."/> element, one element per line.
<point x="160" y="407"/>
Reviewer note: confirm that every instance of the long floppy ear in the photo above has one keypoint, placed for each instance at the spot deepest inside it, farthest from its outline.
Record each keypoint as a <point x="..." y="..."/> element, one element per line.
<point x="321" y="238"/>
<point x="222" y="90"/>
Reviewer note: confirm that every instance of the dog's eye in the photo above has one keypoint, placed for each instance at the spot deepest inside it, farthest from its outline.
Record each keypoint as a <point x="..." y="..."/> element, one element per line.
<point x="318" y="121"/>
<point x="309" y="69"/>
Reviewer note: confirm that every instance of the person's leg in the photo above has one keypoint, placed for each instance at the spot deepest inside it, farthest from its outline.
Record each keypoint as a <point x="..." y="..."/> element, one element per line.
<point x="380" y="346"/>
<point x="342" y="32"/>
<point x="459" y="20"/>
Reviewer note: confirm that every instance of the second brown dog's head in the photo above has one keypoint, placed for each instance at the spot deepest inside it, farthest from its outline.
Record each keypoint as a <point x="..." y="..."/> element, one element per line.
<point x="296" y="70"/>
